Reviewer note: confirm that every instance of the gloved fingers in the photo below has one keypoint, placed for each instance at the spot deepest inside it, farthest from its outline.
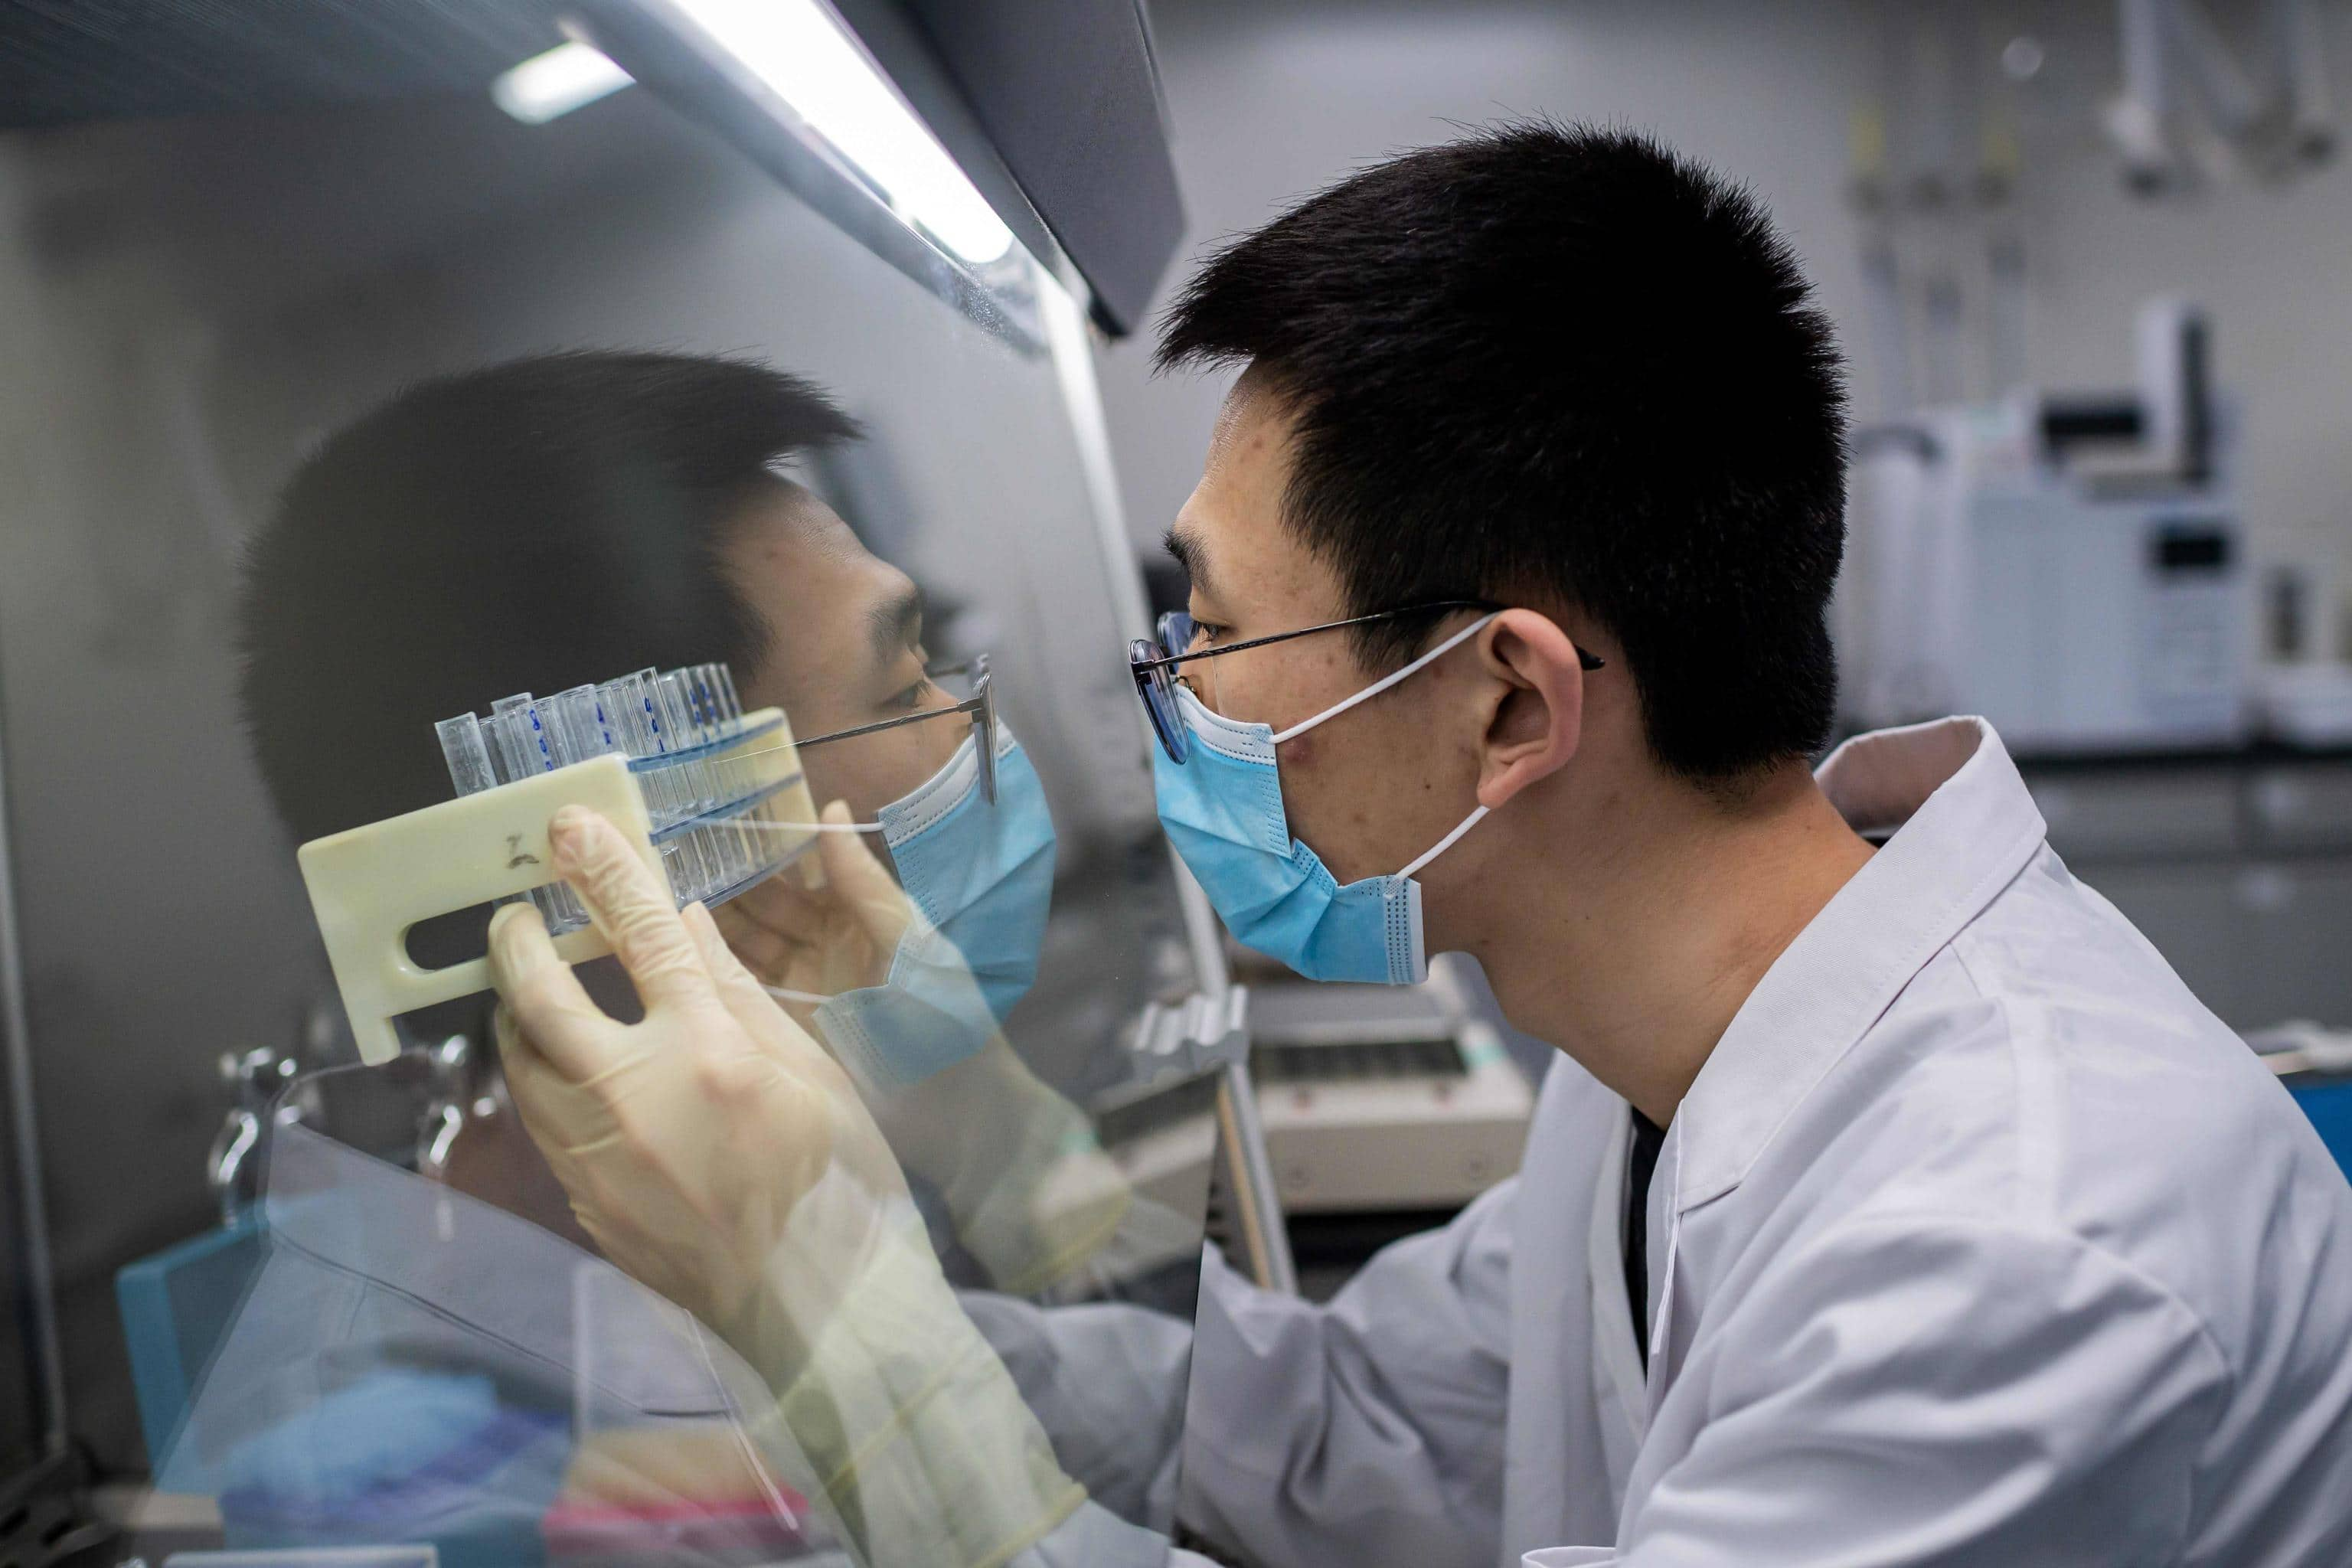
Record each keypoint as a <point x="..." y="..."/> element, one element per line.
<point x="780" y="905"/>
<point x="859" y="877"/>
<point x="552" y="1016"/>
<point x="763" y="950"/>
<point x="633" y="908"/>
<point x="753" y="1007"/>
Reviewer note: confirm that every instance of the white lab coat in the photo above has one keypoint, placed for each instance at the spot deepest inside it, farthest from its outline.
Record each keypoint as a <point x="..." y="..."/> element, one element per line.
<point x="1976" y="1241"/>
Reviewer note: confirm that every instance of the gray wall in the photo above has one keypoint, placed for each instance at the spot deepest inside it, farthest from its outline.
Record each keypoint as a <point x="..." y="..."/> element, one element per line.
<point x="1271" y="99"/>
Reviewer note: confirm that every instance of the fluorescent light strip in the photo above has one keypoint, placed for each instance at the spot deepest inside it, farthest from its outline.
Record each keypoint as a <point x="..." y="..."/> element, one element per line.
<point x="802" y="55"/>
<point x="557" y="82"/>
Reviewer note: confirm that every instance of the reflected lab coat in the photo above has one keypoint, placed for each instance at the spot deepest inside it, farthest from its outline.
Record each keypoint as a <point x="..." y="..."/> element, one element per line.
<point x="1977" y="1240"/>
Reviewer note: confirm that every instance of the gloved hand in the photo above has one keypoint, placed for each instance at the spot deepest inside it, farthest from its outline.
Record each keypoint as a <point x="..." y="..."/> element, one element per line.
<point x="857" y="963"/>
<point x="826" y="941"/>
<point x="684" y="1142"/>
<point x="719" y="1154"/>
<point x="1030" y="1190"/>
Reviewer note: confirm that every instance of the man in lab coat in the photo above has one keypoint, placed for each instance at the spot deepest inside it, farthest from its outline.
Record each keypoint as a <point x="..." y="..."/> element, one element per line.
<point x="1893" y="1202"/>
<point x="1971" y="1235"/>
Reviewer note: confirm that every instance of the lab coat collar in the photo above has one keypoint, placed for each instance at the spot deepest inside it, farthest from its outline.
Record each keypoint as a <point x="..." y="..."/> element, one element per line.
<point x="1964" y="827"/>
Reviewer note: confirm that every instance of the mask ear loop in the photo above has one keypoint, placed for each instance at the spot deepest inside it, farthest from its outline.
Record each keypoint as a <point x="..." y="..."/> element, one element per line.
<point x="1446" y="843"/>
<point x="1456" y="640"/>
<point x="1376" y="687"/>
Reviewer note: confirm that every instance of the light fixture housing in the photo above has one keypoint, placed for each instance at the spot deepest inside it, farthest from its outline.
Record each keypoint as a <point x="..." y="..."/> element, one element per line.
<point x="799" y="51"/>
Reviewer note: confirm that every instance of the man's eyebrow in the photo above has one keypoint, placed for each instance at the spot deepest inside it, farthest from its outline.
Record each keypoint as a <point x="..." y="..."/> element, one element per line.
<point x="1189" y="555"/>
<point x="896" y="623"/>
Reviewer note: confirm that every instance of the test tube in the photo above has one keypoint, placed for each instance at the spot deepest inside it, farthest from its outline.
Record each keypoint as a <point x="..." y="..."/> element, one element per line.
<point x="732" y="778"/>
<point x="698" y="698"/>
<point x="706" y="702"/>
<point x="629" y="704"/>
<point x="575" y="728"/>
<point x="723" y="681"/>
<point x="469" y="758"/>
<point x="679" y="709"/>
<point x="520" y="744"/>
<point x="720" y="782"/>
<point x="681" y="887"/>
<point x="516" y="743"/>
<point x="752" y="849"/>
<point x="673" y="732"/>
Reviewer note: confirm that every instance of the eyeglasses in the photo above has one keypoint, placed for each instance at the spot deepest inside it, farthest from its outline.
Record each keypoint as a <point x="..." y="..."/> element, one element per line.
<point x="981" y="705"/>
<point x="1154" y="667"/>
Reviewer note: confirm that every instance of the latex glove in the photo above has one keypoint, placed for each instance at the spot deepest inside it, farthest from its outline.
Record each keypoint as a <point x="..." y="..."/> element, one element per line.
<point x="856" y="962"/>
<point x="1029" y="1189"/>
<point x="684" y="1142"/>
<point x="715" y="1152"/>
<point x="821" y="942"/>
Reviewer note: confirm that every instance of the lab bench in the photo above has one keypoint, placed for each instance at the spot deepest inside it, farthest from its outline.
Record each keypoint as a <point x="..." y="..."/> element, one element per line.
<point x="2236" y="864"/>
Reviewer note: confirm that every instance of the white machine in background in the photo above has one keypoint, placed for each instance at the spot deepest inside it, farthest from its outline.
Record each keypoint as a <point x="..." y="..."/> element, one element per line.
<point x="1373" y="1100"/>
<point x="2072" y="568"/>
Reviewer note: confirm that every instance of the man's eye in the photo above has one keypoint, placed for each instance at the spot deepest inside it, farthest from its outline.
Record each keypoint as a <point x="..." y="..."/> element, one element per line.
<point x="906" y="701"/>
<point x="1208" y="631"/>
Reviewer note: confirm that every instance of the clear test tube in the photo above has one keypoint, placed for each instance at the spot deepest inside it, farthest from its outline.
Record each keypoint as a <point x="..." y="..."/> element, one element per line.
<point x="576" y="722"/>
<point x="705" y="691"/>
<point x="566" y="743"/>
<point x="520" y="737"/>
<point x="572" y="736"/>
<point x="515" y="745"/>
<point x="648" y="701"/>
<point x="722" y="780"/>
<point x="698" y="783"/>
<point x="609" y="732"/>
<point x="669" y="694"/>
<point x="469" y="758"/>
<point x="616" y="703"/>
<point x="723" y="682"/>
<point x="666" y="719"/>
<point x="637" y="727"/>
<point x="697" y="701"/>
<point x="530" y="731"/>
<point x="681" y="884"/>
<point x="717" y="782"/>
<point x="632" y="702"/>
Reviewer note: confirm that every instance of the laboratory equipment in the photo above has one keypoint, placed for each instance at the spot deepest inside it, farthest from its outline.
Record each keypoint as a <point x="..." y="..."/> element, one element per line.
<point x="1372" y="1100"/>
<point x="2073" y="569"/>
<point x="713" y="796"/>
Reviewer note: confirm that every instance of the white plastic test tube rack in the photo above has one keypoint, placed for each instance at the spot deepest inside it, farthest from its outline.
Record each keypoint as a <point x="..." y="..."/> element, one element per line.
<point x="714" y="795"/>
<point x="679" y="728"/>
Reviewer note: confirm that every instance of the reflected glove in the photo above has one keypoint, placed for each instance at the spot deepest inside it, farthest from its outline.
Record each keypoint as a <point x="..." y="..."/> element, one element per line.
<point x="715" y="1152"/>
<point x="1031" y="1191"/>
<point x="888" y="992"/>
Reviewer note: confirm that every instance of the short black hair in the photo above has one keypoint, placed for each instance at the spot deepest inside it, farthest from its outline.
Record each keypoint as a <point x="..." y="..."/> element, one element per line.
<point x="525" y="527"/>
<point x="1555" y="359"/>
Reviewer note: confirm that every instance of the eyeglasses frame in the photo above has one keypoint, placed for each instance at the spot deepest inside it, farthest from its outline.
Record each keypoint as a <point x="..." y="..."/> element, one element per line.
<point x="981" y="705"/>
<point x="1144" y="661"/>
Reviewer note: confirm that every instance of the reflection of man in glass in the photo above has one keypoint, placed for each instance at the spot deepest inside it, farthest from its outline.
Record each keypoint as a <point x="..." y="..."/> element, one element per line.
<point x="570" y="517"/>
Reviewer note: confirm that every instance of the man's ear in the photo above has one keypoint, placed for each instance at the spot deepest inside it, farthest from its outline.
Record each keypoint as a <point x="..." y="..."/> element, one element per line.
<point x="1538" y="717"/>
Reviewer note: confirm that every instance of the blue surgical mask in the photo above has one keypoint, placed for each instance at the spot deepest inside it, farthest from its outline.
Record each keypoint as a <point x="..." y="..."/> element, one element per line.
<point x="981" y="875"/>
<point x="1222" y="810"/>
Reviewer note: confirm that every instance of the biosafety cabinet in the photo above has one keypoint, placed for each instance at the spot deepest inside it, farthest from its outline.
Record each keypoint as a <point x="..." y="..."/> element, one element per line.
<point x="226" y="232"/>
